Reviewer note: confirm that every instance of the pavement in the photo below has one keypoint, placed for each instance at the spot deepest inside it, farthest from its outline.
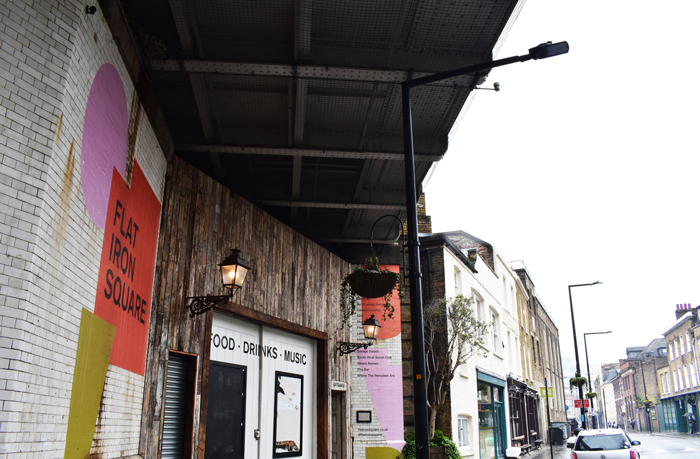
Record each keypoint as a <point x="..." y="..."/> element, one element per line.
<point x="544" y="452"/>
<point x="562" y="452"/>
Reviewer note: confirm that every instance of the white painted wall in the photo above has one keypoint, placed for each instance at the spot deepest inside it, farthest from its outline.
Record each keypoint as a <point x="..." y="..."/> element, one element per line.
<point x="502" y="359"/>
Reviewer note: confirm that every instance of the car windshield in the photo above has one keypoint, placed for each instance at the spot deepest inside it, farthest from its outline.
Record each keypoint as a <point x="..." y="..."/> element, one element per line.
<point x="601" y="442"/>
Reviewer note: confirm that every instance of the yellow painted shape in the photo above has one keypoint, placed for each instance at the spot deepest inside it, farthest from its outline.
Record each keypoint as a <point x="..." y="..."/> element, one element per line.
<point x="381" y="452"/>
<point x="94" y="348"/>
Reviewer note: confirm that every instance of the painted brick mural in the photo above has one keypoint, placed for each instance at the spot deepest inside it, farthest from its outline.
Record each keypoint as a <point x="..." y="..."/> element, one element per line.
<point x="377" y="385"/>
<point x="81" y="170"/>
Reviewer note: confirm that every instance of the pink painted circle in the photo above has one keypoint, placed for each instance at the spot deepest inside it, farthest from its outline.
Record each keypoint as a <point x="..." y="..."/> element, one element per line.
<point x="105" y="141"/>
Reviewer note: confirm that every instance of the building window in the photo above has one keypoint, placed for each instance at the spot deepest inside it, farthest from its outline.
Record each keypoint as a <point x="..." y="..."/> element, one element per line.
<point x="693" y="375"/>
<point x="678" y="348"/>
<point x="458" y="281"/>
<point x="463" y="430"/>
<point x="479" y="307"/>
<point x="494" y="328"/>
<point x="662" y="380"/>
<point x="676" y="387"/>
<point x="682" y="346"/>
<point x="670" y="350"/>
<point x="687" y="342"/>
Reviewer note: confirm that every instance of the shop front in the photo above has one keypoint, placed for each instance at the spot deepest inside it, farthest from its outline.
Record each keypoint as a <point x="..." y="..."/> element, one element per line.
<point x="250" y="377"/>
<point x="261" y="386"/>
<point x="674" y="413"/>
<point x="492" y="416"/>
<point x="524" y="419"/>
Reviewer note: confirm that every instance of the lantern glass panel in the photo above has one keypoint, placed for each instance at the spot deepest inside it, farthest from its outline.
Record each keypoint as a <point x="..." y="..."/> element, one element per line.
<point x="233" y="275"/>
<point x="371" y="328"/>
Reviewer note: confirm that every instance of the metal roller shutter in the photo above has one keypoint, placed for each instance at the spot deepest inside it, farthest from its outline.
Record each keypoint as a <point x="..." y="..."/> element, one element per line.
<point x="175" y="406"/>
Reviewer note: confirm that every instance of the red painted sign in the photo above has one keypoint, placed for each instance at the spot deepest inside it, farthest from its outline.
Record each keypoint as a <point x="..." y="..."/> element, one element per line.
<point x="125" y="282"/>
<point x="582" y="404"/>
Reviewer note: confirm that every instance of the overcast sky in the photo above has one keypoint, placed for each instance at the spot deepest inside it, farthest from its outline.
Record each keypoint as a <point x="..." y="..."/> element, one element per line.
<point x="585" y="167"/>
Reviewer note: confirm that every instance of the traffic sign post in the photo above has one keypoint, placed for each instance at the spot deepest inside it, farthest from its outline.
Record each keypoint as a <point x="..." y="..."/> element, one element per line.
<point x="582" y="403"/>
<point x="547" y="392"/>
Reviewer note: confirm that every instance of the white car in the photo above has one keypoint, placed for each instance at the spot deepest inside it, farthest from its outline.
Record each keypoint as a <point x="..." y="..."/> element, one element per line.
<point x="615" y="443"/>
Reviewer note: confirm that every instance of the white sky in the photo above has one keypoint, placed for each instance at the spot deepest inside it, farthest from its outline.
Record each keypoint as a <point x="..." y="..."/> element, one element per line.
<point x="584" y="166"/>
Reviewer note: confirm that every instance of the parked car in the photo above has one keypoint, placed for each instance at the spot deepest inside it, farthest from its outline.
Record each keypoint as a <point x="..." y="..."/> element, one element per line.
<point x="615" y="442"/>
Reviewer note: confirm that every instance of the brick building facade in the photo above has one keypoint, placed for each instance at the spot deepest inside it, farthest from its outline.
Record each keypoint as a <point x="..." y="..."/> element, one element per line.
<point x="679" y="380"/>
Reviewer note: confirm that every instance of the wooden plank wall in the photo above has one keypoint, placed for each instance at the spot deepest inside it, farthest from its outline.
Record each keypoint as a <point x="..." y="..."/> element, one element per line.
<point x="291" y="278"/>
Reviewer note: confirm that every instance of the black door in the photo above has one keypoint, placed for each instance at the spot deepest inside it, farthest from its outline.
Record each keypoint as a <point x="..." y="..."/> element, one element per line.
<point x="226" y="411"/>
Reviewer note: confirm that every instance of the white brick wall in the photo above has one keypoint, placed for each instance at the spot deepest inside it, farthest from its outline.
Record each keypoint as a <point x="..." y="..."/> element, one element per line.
<point x="361" y="399"/>
<point x="50" y="251"/>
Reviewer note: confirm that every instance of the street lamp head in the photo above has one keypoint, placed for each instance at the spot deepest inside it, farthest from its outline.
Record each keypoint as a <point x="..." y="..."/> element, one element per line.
<point x="598" y="333"/>
<point x="584" y="285"/>
<point x="549" y="49"/>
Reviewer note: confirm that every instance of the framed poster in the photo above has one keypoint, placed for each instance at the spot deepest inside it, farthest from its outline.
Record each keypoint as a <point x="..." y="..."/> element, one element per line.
<point x="287" y="433"/>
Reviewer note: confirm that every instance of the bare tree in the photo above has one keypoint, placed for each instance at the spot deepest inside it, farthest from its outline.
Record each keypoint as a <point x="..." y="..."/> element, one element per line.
<point x="453" y="334"/>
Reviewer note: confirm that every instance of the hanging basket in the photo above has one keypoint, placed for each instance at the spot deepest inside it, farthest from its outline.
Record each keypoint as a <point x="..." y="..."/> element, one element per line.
<point x="578" y="382"/>
<point x="373" y="284"/>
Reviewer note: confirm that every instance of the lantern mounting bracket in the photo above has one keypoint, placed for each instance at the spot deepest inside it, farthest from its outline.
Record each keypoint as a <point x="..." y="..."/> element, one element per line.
<point x="201" y="304"/>
<point x="371" y="328"/>
<point x="233" y="272"/>
<point x="348" y="348"/>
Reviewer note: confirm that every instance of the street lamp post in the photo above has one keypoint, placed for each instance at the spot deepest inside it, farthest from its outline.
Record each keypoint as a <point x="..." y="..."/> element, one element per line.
<point x="420" y="392"/>
<point x="605" y="409"/>
<point x="578" y="365"/>
<point x="588" y="368"/>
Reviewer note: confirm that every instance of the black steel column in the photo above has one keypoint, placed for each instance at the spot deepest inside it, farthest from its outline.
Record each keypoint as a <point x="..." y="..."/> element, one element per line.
<point x="420" y="393"/>
<point x="578" y="366"/>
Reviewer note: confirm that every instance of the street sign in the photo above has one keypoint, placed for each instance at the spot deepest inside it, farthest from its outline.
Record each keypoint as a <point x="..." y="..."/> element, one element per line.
<point x="582" y="404"/>
<point x="547" y="392"/>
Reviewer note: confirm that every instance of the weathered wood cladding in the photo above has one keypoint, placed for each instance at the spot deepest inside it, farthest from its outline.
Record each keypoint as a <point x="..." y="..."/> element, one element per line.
<point x="293" y="284"/>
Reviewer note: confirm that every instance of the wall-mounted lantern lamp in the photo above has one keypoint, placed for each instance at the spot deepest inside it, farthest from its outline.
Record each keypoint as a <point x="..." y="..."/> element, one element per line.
<point x="371" y="328"/>
<point x="233" y="271"/>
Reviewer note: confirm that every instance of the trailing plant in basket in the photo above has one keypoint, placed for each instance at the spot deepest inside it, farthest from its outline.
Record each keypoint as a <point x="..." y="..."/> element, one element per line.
<point x="591" y="395"/>
<point x="643" y="401"/>
<point x="578" y="381"/>
<point x="362" y="282"/>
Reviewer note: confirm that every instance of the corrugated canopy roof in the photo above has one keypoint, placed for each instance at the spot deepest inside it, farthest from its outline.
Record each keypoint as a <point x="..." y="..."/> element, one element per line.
<point x="296" y="105"/>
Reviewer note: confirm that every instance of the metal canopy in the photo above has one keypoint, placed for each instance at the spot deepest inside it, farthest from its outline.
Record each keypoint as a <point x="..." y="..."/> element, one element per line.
<point x="296" y="105"/>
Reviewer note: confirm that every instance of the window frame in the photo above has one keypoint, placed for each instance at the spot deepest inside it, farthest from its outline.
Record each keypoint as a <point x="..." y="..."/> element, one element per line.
<point x="495" y="331"/>
<point x="457" y="280"/>
<point x="463" y="439"/>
